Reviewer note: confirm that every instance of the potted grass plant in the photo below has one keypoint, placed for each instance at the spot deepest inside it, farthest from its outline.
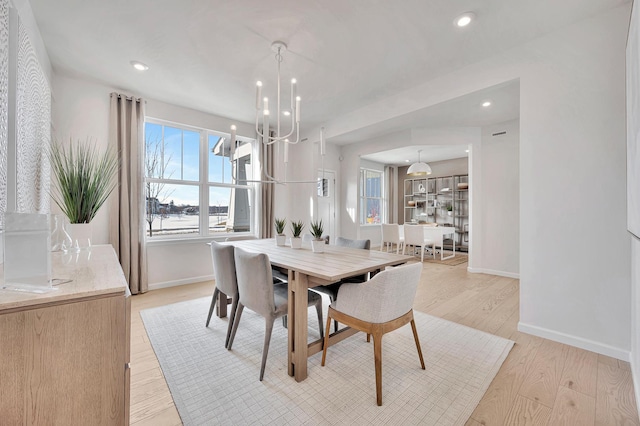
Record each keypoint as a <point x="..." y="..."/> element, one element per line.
<point x="280" y="236"/>
<point x="296" y="230"/>
<point x="317" y="244"/>
<point x="83" y="180"/>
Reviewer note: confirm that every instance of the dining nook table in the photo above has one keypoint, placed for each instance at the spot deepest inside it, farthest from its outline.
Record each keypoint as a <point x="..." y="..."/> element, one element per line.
<point x="307" y="269"/>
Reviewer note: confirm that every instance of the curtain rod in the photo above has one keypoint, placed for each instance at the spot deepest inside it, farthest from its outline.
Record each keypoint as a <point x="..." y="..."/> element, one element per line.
<point x="129" y="98"/>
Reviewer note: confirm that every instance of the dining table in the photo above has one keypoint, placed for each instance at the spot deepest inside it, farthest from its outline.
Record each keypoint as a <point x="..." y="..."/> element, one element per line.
<point x="307" y="269"/>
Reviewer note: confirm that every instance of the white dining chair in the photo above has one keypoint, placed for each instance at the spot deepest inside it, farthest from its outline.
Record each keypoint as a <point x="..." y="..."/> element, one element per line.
<point x="391" y="234"/>
<point x="414" y="236"/>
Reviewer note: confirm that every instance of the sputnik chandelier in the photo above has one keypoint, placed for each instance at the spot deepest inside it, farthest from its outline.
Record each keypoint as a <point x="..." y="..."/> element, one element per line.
<point x="279" y="137"/>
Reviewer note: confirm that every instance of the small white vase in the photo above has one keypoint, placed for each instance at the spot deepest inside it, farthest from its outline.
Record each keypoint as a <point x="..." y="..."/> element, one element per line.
<point x="317" y="246"/>
<point x="281" y="240"/>
<point x="296" y="243"/>
<point x="80" y="236"/>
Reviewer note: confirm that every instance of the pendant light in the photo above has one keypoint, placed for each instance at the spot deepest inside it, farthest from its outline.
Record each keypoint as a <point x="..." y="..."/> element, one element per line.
<point x="419" y="168"/>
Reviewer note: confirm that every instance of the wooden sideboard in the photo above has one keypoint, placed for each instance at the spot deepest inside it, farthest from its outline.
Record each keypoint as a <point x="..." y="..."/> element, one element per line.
<point x="64" y="355"/>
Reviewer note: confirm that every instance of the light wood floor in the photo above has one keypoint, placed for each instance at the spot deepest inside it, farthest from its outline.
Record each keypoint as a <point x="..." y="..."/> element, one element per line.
<point x="540" y="383"/>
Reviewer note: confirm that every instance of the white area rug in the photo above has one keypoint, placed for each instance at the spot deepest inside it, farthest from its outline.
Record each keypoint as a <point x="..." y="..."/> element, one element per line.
<point x="211" y="385"/>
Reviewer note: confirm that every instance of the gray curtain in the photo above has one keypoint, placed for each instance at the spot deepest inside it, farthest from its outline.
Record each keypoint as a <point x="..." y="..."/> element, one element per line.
<point x="266" y="192"/>
<point x="126" y="220"/>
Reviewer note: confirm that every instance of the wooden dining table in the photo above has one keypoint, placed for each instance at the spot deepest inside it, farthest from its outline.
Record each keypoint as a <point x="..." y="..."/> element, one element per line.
<point x="307" y="269"/>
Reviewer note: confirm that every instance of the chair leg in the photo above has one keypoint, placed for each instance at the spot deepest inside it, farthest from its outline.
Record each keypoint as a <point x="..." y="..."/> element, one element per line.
<point x="320" y="322"/>
<point x="415" y="337"/>
<point x="377" y="352"/>
<point x="325" y="344"/>
<point x="232" y="317"/>
<point x="236" y="321"/>
<point x="422" y="253"/>
<point x="267" y="339"/>
<point x="213" y="304"/>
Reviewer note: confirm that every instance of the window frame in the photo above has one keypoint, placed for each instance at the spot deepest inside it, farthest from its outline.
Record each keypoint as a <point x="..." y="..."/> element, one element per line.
<point x="203" y="185"/>
<point x="362" y="197"/>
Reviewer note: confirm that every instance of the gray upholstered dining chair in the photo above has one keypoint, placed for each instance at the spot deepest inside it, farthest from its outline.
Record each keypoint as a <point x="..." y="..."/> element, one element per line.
<point x="382" y="304"/>
<point x="257" y="292"/>
<point x="224" y="271"/>
<point x="279" y="276"/>
<point x="331" y="290"/>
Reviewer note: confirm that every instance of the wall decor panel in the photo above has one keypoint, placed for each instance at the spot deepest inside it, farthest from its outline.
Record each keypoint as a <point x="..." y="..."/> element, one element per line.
<point x="4" y="102"/>
<point x="33" y="129"/>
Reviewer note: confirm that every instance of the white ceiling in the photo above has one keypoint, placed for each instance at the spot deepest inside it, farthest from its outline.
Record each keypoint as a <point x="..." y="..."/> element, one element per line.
<point x="429" y="154"/>
<point x="207" y="55"/>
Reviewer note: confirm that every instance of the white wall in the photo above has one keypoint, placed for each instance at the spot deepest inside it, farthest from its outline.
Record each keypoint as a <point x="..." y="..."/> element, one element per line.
<point x="350" y="167"/>
<point x="499" y="227"/>
<point x="81" y="111"/>
<point x="574" y="248"/>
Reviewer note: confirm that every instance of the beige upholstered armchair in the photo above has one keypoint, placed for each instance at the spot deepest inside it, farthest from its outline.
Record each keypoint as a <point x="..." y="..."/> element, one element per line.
<point x="378" y="306"/>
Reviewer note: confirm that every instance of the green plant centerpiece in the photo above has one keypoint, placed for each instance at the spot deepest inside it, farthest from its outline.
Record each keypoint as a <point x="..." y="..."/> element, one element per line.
<point x="280" y="237"/>
<point x="83" y="180"/>
<point x="296" y="230"/>
<point x="318" y="242"/>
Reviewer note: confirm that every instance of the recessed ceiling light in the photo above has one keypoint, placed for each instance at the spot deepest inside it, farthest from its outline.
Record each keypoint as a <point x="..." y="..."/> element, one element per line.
<point x="464" y="19"/>
<point x="466" y="150"/>
<point x="287" y="113"/>
<point x="486" y="104"/>
<point x="139" y="65"/>
<point x="406" y="161"/>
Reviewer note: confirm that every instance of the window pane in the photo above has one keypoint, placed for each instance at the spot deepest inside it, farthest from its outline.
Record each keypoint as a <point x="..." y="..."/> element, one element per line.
<point x="219" y="165"/>
<point x="229" y="209"/>
<point x="373" y="210"/>
<point x="171" y="209"/>
<point x="373" y="181"/>
<point x="172" y="157"/>
<point x="191" y="158"/>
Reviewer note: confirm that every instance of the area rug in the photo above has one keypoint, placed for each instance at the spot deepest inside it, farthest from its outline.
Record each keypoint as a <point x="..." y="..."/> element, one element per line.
<point x="211" y="385"/>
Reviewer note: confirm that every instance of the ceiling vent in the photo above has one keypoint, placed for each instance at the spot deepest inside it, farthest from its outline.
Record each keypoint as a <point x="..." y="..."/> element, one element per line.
<point x="500" y="133"/>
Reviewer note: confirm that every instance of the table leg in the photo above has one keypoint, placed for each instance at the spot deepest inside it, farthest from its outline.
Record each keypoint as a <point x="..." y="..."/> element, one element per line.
<point x="298" y="349"/>
<point x="221" y="305"/>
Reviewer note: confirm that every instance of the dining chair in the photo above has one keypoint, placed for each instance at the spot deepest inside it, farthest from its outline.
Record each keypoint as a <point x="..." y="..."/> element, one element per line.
<point x="331" y="290"/>
<point x="435" y="235"/>
<point x="279" y="276"/>
<point x="414" y="235"/>
<point x="391" y="235"/>
<point x="224" y="272"/>
<point x="382" y="304"/>
<point x="257" y="292"/>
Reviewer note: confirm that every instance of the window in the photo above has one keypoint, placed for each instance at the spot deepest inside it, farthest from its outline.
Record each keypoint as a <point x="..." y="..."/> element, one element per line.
<point x="186" y="168"/>
<point x="370" y="196"/>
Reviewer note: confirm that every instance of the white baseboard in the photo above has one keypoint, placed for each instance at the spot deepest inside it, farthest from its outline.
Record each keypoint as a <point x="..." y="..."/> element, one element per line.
<point x="493" y="272"/>
<point x="578" y="342"/>
<point x="174" y="283"/>
<point x="634" y="377"/>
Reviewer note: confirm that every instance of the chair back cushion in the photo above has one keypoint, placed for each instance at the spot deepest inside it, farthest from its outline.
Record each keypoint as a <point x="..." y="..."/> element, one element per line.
<point x="414" y="235"/>
<point x="433" y="234"/>
<point x="390" y="233"/>
<point x="224" y="268"/>
<point x="359" y="244"/>
<point x="255" y="282"/>
<point x="385" y="297"/>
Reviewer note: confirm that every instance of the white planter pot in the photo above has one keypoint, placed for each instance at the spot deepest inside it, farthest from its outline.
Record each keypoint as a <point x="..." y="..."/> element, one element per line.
<point x="80" y="236"/>
<point x="280" y="240"/>
<point x="317" y="246"/>
<point x="296" y="243"/>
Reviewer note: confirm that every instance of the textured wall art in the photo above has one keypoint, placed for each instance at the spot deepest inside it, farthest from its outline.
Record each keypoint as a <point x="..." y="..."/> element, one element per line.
<point x="33" y="129"/>
<point x="4" y="102"/>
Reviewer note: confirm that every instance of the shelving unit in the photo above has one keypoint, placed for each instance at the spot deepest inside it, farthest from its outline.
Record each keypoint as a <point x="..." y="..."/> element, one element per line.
<point x="440" y="200"/>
